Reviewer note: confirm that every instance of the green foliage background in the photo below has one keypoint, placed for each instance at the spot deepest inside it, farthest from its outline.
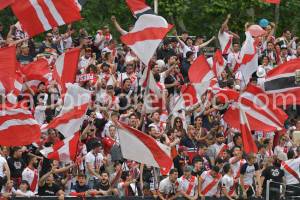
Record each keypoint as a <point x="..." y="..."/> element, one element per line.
<point x="199" y="17"/>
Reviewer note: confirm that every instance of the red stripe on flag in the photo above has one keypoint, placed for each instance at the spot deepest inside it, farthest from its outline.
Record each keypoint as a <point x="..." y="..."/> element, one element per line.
<point x="75" y="113"/>
<point x="36" y="70"/>
<point x="248" y="142"/>
<point x="47" y="13"/>
<point x="73" y="146"/>
<point x="20" y="135"/>
<point x="68" y="10"/>
<point x="159" y="155"/>
<point x="5" y="3"/>
<point x="26" y="14"/>
<point x="146" y="34"/>
<point x="199" y="69"/>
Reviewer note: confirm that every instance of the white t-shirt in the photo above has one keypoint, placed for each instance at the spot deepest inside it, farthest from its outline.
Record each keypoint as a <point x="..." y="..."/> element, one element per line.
<point x="95" y="160"/>
<point x="28" y="175"/>
<point x="166" y="187"/>
<point x="227" y="182"/>
<point x="84" y="62"/>
<point x="28" y="193"/>
<point x="2" y="163"/>
<point x="185" y="183"/>
<point x="207" y="179"/>
<point x="39" y="114"/>
<point x="294" y="164"/>
<point x="236" y="166"/>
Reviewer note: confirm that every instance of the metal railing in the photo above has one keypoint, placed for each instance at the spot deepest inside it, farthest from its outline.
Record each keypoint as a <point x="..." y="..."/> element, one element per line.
<point x="282" y="188"/>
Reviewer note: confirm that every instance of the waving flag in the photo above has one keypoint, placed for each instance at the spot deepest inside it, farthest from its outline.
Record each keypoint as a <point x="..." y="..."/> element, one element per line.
<point x="5" y="3"/>
<point x="71" y="117"/>
<point x="139" y="7"/>
<point x="200" y="71"/>
<point x="217" y="63"/>
<point x="281" y="85"/>
<point x="64" y="151"/>
<point x="7" y="68"/>
<point x="248" y="142"/>
<point x="18" y="127"/>
<point x="38" y="16"/>
<point x="37" y="70"/>
<point x="260" y="111"/>
<point x="66" y="67"/>
<point x="147" y="34"/>
<point x="142" y="148"/>
<point x="225" y="40"/>
<point x="12" y="97"/>
<point x="248" y="60"/>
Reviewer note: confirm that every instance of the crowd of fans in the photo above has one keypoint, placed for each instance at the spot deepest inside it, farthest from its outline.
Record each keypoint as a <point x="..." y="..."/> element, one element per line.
<point x="113" y="73"/>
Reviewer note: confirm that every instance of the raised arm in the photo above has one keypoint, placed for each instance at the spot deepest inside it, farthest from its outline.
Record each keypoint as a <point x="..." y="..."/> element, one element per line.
<point x="207" y="42"/>
<point x="117" y="26"/>
<point x="225" y="23"/>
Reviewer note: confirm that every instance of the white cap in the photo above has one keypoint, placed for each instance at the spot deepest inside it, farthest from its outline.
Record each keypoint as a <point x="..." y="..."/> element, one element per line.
<point x="160" y="63"/>
<point x="261" y="72"/>
<point x="237" y="87"/>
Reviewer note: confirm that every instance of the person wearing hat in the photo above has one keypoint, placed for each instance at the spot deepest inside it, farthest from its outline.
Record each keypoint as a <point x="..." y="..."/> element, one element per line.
<point x="24" y="57"/>
<point x="188" y="184"/>
<point x="94" y="161"/>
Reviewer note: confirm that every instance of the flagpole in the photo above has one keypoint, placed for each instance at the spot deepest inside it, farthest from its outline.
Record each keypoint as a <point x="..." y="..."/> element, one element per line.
<point x="156" y="6"/>
<point x="277" y="14"/>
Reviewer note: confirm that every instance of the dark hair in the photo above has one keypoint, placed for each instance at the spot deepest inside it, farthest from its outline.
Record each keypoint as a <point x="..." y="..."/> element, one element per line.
<point x="215" y="168"/>
<point x="172" y="171"/>
<point x="226" y="168"/>
<point x="189" y="54"/>
<point x="124" y="175"/>
<point x="81" y="175"/>
<point x="290" y="154"/>
<point x="126" y="79"/>
<point x="104" y="172"/>
<point x="235" y="137"/>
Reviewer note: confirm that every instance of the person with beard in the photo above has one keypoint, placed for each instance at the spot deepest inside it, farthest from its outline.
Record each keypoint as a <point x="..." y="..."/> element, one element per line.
<point x="198" y="168"/>
<point x="30" y="174"/>
<point x="181" y="160"/>
<point x="273" y="173"/>
<point x="104" y="187"/>
<point x="16" y="165"/>
<point x="216" y="150"/>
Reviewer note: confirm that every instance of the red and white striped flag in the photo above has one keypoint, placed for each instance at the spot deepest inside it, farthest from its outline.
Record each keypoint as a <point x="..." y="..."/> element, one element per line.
<point x="37" y="70"/>
<point x="225" y="40"/>
<point x="247" y="63"/>
<point x="145" y="37"/>
<point x="200" y="71"/>
<point x="8" y="67"/>
<point x="64" y="151"/>
<point x="142" y="148"/>
<point x="18" y="127"/>
<point x="38" y="16"/>
<point x="5" y="3"/>
<point x="12" y="97"/>
<point x="139" y="7"/>
<point x="260" y="110"/>
<point x="217" y="63"/>
<point x="281" y="85"/>
<point x="66" y="68"/>
<point x="248" y="142"/>
<point x="71" y="117"/>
